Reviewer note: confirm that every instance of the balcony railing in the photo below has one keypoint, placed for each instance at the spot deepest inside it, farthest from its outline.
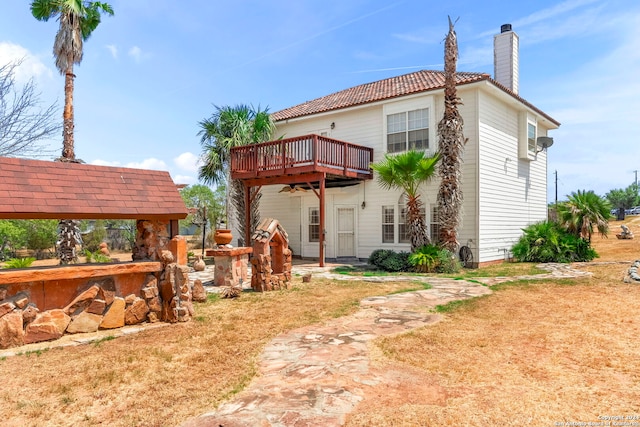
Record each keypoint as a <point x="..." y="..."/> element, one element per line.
<point x="308" y="153"/>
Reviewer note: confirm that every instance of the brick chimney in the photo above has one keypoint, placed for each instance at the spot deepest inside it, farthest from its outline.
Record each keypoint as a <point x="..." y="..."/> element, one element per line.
<point x="505" y="57"/>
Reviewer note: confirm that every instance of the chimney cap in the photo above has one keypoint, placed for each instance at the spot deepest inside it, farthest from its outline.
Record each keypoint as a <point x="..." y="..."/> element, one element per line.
<point x="504" y="28"/>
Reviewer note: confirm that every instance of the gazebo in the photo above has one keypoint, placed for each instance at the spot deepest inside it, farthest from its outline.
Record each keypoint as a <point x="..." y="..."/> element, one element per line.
<point x="154" y="284"/>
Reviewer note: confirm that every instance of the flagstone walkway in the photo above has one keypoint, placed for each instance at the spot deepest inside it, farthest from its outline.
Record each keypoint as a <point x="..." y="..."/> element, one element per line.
<point x="316" y="375"/>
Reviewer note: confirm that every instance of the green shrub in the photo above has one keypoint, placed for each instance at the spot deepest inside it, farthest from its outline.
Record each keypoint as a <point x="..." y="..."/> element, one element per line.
<point x="425" y="258"/>
<point x="396" y="262"/>
<point x="19" y="262"/>
<point x="448" y="262"/>
<point x="378" y="256"/>
<point x="547" y="241"/>
<point x="432" y="258"/>
<point x="97" y="257"/>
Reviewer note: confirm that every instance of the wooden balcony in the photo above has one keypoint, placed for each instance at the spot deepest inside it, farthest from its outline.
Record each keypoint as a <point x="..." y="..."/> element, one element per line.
<point x="302" y="155"/>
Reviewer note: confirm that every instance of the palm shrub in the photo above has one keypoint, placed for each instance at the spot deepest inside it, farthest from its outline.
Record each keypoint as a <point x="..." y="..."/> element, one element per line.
<point x="19" y="262"/>
<point x="425" y="258"/>
<point x="548" y="241"/>
<point x="432" y="258"/>
<point x="377" y="256"/>
<point x="584" y="211"/>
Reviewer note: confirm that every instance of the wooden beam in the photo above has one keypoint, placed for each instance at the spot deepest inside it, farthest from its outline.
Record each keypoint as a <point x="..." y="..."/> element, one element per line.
<point x="76" y="271"/>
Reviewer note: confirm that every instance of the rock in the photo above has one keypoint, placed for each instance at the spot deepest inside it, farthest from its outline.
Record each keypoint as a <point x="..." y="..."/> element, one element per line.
<point x="153" y="317"/>
<point x="104" y="249"/>
<point x="84" y="322"/>
<point x="3" y="293"/>
<point x="97" y="306"/>
<point x="11" y="332"/>
<point x="48" y="325"/>
<point x="20" y="300"/>
<point x="136" y="312"/>
<point x="167" y="257"/>
<point x="149" y="292"/>
<point x="6" y="307"/>
<point x="114" y="317"/>
<point x="82" y="301"/>
<point x="29" y="313"/>
<point x="129" y="299"/>
<point x="198" y="293"/>
<point x="306" y="278"/>
<point x="106" y="296"/>
<point x="155" y="305"/>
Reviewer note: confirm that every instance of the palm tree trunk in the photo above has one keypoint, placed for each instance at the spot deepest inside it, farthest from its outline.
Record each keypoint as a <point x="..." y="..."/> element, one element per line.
<point x="68" y="152"/>
<point x="451" y="147"/>
<point x="417" y="227"/>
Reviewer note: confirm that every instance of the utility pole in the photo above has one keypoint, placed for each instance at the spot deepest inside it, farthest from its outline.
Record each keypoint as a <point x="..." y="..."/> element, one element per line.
<point x="556" y="173"/>
<point x="636" y="172"/>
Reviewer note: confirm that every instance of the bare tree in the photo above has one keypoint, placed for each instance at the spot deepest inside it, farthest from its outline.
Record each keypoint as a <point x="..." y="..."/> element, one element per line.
<point x="451" y="146"/>
<point x="24" y="123"/>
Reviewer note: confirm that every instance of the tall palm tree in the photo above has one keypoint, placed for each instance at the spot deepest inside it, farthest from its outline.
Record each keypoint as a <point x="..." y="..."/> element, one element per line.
<point x="407" y="171"/>
<point x="230" y="127"/>
<point x="451" y="145"/>
<point x="78" y="19"/>
<point x="583" y="211"/>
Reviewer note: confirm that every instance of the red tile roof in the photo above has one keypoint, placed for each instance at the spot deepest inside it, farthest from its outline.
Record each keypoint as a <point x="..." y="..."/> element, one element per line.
<point x="407" y="84"/>
<point x="33" y="189"/>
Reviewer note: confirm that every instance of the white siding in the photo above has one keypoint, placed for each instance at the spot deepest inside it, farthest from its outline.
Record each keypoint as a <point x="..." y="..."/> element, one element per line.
<point x="512" y="191"/>
<point x="502" y="193"/>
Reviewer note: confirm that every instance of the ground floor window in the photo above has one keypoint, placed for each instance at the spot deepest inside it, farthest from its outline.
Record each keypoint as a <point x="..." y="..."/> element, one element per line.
<point x="314" y="224"/>
<point x="388" y="223"/>
<point x="435" y="225"/>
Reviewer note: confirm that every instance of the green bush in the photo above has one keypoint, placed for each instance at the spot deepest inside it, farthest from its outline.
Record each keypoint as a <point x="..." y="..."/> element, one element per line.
<point x="425" y="258"/>
<point x="96" y="257"/>
<point x="378" y="256"/>
<point x="548" y="241"/>
<point x="431" y="258"/>
<point x="19" y="262"/>
<point x="448" y="262"/>
<point x="396" y="262"/>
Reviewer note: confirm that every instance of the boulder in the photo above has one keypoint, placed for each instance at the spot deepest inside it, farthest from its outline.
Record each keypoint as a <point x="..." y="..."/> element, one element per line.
<point x="29" y="313"/>
<point x="136" y="312"/>
<point x="48" y="325"/>
<point x="97" y="306"/>
<point x="198" y="293"/>
<point x="82" y="301"/>
<point x="84" y="322"/>
<point x="114" y="317"/>
<point x="11" y="332"/>
<point x="6" y="307"/>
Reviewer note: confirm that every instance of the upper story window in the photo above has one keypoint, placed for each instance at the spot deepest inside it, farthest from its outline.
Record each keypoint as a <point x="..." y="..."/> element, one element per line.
<point x="408" y="131"/>
<point x="531" y="137"/>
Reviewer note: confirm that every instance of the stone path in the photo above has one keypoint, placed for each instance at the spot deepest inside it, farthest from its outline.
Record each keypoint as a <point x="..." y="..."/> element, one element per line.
<point x="316" y="375"/>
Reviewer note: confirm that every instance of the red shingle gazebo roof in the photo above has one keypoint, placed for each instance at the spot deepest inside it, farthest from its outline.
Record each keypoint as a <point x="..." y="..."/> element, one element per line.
<point x="36" y="189"/>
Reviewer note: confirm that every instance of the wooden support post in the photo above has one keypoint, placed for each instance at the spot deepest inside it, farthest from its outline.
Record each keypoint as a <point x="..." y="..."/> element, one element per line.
<point x="322" y="222"/>
<point x="247" y="215"/>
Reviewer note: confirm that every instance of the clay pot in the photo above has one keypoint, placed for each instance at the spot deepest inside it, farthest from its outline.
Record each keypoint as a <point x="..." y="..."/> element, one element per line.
<point x="222" y="236"/>
<point x="198" y="264"/>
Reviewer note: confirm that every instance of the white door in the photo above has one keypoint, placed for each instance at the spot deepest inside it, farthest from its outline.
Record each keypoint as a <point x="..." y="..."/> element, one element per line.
<point x="346" y="232"/>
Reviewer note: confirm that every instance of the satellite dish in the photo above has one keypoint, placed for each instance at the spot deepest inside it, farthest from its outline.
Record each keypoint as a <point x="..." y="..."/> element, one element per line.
<point x="544" y="142"/>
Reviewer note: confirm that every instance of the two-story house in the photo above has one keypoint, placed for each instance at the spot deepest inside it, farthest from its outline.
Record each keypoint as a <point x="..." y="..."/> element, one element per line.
<point x="330" y="141"/>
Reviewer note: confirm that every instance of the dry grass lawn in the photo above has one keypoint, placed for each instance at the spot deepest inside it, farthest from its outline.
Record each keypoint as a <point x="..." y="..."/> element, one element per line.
<point x="535" y="353"/>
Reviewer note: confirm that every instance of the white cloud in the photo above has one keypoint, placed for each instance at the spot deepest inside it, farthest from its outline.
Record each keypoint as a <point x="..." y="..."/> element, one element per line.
<point x="184" y="179"/>
<point x="150" y="163"/>
<point x="113" y="49"/>
<point x="187" y="161"/>
<point x="138" y="55"/>
<point x="31" y="66"/>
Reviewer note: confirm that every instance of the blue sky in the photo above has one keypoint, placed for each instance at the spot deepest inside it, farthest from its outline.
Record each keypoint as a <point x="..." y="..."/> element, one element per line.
<point x="155" y="69"/>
